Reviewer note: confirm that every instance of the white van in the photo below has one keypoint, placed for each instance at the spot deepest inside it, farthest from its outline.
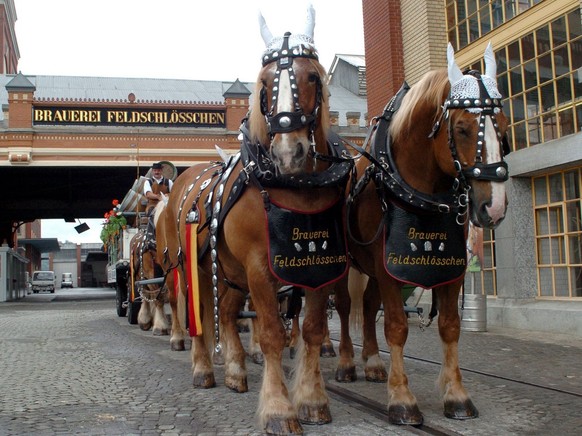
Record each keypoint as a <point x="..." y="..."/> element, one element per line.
<point x="43" y="281"/>
<point x="67" y="280"/>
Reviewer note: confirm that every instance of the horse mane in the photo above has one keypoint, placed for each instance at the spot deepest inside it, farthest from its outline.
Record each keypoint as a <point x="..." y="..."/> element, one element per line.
<point x="428" y="95"/>
<point x="258" y="126"/>
<point x="159" y="208"/>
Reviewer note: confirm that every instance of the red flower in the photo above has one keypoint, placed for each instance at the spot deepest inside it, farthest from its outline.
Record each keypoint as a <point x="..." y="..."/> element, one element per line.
<point x="115" y="202"/>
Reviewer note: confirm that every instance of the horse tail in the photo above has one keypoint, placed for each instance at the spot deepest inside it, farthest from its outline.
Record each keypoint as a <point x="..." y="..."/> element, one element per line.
<point x="357" y="283"/>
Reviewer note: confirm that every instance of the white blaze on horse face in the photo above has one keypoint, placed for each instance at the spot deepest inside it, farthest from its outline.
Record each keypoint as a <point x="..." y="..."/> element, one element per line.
<point x="289" y="149"/>
<point x="497" y="209"/>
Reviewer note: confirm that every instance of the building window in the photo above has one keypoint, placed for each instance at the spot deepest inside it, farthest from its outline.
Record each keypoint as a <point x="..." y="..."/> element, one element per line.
<point x="469" y="20"/>
<point x="482" y="275"/>
<point x="540" y="76"/>
<point x="558" y="226"/>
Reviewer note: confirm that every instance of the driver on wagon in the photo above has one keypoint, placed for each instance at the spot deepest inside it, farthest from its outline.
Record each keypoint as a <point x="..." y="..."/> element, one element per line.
<point x="153" y="189"/>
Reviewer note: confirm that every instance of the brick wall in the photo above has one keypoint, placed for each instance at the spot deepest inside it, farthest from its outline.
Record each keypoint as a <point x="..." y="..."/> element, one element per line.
<point x="403" y="40"/>
<point x="383" y="46"/>
<point x="424" y="37"/>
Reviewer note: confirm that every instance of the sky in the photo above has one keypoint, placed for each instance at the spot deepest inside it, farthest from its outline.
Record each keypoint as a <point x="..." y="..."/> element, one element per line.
<point x="170" y="39"/>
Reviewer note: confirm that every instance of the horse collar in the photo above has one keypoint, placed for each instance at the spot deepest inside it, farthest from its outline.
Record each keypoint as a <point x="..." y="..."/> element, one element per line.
<point x="389" y="176"/>
<point x="259" y="167"/>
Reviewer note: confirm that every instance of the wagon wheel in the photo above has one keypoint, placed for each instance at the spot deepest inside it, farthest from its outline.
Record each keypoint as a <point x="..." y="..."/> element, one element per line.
<point x="120" y="299"/>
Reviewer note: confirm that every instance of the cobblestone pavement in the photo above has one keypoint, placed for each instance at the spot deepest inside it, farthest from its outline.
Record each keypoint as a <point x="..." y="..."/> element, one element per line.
<point x="69" y="365"/>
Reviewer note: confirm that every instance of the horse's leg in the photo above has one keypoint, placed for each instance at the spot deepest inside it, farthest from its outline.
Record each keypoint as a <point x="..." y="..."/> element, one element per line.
<point x="327" y="347"/>
<point x="234" y="354"/>
<point x="457" y="403"/>
<point x="402" y="405"/>
<point x="294" y="336"/>
<point x="160" y="327"/>
<point x="346" y="368"/>
<point x="374" y="368"/>
<point x="254" y="346"/>
<point x="275" y="412"/>
<point x="309" y="394"/>
<point x="144" y="317"/>
<point x="296" y="301"/>
<point x="178" y="306"/>
<point x="202" y="369"/>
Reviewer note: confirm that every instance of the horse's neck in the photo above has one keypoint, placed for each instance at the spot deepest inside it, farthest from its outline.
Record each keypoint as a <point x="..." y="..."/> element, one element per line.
<point x="416" y="163"/>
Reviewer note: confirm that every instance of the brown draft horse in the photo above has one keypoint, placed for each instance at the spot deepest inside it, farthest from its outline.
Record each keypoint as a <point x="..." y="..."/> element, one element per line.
<point x="268" y="216"/>
<point x="144" y="266"/>
<point x="435" y="161"/>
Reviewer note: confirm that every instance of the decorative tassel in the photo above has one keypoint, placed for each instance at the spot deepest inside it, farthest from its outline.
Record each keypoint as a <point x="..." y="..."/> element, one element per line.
<point x="194" y="319"/>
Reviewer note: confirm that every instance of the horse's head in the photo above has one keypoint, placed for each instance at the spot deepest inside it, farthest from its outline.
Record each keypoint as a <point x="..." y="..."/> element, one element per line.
<point x="291" y="100"/>
<point x="476" y="135"/>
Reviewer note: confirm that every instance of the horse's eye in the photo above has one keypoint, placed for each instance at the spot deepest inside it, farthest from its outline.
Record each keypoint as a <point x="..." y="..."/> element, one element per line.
<point x="313" y="78"/>
<point x="462" y="130"/>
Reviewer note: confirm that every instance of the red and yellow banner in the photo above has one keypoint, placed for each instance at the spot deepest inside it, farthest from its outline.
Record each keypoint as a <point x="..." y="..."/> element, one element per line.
<point x="194" y="319"/>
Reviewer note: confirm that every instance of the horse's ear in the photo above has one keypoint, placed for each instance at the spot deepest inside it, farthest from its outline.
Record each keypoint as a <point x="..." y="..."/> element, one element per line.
<point x="455" y="73"/>
<point x="310" y="22"/>
<point x="265" y="32"/>
<point x="490" y="64"/>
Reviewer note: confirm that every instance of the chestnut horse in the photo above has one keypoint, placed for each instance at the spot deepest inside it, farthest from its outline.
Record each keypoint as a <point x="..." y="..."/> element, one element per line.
<point x="268" y="216"/>
<point x="153" y="297"/>
<point x="434" y="162"/>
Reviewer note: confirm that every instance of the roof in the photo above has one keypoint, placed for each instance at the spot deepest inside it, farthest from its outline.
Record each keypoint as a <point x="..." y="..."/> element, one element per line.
<point x="117" y="89"/>
<point x="84" y="89"/>
<point x="355" y="60"/>
<point x="96" y="256"/>
<point x="43" y="245"/>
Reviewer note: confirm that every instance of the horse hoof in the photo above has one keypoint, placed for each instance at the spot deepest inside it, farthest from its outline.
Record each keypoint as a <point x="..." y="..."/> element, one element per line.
<point x="292" y="352"/>
<point x="404" y="415"/>
<point x="160" y="332"/>
<point x="461" y="409"/>
<point x="283" y="426"/>
<point x="204" y="381"/>
<point x="146" y="326"/>
<point x="376" y="375"/>
<point x="258" y="358"/>
<point x="327" y="351"/>
<point x="177" y="345"/>
<point x="314" y="415"/>
<point x="346" y="375"/>
<point x="237" y="384"/>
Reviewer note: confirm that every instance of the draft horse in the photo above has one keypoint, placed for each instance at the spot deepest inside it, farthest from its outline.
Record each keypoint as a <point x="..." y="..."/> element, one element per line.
<point x="434" y="162"/>
<point x="270" y="215"/>
<point x="143" y="266"/>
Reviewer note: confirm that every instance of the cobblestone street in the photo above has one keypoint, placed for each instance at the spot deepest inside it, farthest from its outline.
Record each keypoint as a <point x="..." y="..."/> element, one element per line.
<point x="71" y="366"/>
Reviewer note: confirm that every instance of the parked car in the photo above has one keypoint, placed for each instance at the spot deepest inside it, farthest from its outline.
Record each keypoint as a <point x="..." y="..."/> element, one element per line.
<point x="67" y="280"/>
<point x="43" y="281"/>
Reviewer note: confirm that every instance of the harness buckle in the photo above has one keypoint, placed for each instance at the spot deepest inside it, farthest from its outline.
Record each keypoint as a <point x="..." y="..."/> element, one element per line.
<point x="248" y="169"/>
<point x="444" y="208"/>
